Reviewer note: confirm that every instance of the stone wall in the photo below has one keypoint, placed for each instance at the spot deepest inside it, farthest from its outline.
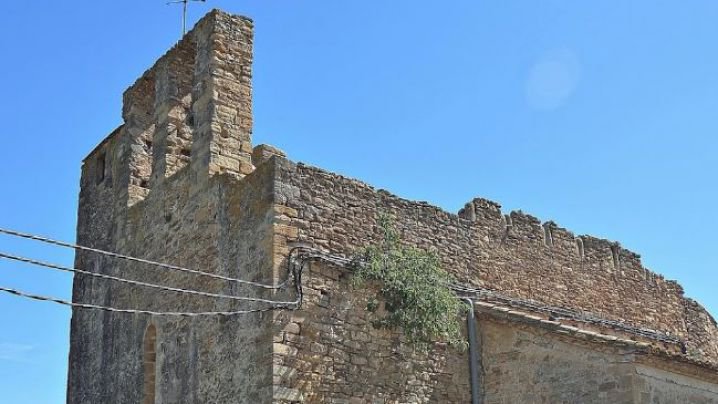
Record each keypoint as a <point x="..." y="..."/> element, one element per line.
<point x="702" y="331"/>
<point x="329" y="352"/>
<point x="165" y="186"/>
<point x="225" y="229"/>
<point x="179" y="182"/>
<point x="515" y="253"/>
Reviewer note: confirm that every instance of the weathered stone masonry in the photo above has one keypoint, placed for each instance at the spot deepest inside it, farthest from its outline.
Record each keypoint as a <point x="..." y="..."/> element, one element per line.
<point x="170" y="192"/>
<point x="339" y="215"/>
<point x="180" y="182"/>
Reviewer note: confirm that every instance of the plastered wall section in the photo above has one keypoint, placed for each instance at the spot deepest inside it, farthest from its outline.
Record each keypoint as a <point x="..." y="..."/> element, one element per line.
<point x="525" y="364"/>
<point x="515" y="253"/>
<point x="522" y="366"/>
<point x="654" y="386"/>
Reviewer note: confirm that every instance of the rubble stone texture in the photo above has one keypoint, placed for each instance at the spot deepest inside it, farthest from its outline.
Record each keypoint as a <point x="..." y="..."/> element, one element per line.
<point x="179" y="182"/>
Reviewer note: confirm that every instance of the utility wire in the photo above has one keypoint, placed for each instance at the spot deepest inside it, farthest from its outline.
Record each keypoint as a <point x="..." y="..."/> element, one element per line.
<point x="293" y="269"/>
<point x="139" y="283"/>
<point x="140" y="260"/>
<point x="305" y="254"/>
<point x="116" y="310"/>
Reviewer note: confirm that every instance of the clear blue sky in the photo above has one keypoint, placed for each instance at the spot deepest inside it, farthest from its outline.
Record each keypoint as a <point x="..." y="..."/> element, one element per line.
<point x="602" y="117"/>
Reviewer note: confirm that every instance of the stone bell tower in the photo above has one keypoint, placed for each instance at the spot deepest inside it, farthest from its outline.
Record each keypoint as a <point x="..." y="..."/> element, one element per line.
<point x="165" y="186"/>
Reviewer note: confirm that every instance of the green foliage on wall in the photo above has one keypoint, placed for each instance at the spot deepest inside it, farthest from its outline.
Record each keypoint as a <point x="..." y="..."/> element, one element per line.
<point x="414" y="288"/>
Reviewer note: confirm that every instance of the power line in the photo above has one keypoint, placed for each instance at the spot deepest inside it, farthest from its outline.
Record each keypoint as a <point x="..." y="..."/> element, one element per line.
<point x="306" y="253"/>
<point x="139" y="283"/>
<point x="140" y="260"/>
<point x="292" y="270"/>
<point x="134" y="311"/>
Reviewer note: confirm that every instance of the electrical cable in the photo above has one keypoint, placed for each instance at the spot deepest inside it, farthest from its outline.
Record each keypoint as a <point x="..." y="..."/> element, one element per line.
<point x="140" y="260"/>
<point x="134" y="311"/>
<point x="295" y="270"/>
<point x="305" y="254"/>
<point x="139" y="283"/>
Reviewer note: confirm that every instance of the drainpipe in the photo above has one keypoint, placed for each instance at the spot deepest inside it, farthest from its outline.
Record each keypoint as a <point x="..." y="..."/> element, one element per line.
<point x="473" y="354"/>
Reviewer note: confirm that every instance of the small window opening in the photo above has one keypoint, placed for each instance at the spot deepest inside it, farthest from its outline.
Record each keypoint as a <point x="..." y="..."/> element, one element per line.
<point x="615" y="256"/>
<point x="547" y="235"/>
<point x="579" y="248"/>
<point x="508" y="222"/>
<point x="149" y="364"/>
<point x="100" y="173"/>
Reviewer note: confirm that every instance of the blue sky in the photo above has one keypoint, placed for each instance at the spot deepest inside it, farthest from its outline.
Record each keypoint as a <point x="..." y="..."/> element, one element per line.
<point x="601" y="116"/>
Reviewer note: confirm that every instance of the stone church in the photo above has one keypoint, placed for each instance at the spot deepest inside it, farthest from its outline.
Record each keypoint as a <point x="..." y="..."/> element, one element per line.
<point x="556" y="317"/>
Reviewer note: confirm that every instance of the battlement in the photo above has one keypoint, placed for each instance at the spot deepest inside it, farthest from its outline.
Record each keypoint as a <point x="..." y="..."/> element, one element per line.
<point x="607" y="255"/>
<point x="192" y="108"/>
<point x="513" y="253"/>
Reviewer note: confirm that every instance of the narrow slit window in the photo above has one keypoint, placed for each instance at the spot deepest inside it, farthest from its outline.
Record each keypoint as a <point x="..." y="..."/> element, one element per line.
<point x="508" y="223"/>
<point x="100" y="173"/>
<point x="547" y="235"/>
<point x="149" y="364"/>
<point x="616" y="257"/>
<point x="579" y="248"/>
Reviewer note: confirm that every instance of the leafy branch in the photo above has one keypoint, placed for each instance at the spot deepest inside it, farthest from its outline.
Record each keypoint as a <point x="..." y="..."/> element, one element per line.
<point x="414" y="288"/>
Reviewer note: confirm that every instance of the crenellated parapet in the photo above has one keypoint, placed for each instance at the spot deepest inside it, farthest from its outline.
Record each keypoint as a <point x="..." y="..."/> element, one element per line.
<point x="558" y="242"/>
<point x="514" y="254"/>
<point x="192" y="108"/>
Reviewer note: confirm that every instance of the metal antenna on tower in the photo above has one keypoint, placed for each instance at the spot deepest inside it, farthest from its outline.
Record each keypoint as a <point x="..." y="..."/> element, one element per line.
<point x="184" y="3"/>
